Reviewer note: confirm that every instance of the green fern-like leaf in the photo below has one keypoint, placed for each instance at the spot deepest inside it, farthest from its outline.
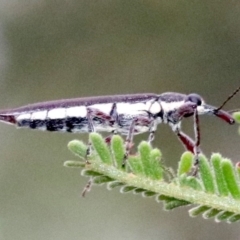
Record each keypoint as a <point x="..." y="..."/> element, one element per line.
<point x="215" y="193"/>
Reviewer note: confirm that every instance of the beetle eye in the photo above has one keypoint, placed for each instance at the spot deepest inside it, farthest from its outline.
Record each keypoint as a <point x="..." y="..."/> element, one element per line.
<point x="195" y="98"/>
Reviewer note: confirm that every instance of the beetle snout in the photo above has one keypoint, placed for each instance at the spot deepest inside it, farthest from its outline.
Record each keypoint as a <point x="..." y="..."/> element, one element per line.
<point x="224" y="115"/>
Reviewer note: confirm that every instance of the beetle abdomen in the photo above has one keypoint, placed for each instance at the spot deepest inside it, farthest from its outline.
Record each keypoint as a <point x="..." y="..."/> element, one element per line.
<point x="100" y="117"/>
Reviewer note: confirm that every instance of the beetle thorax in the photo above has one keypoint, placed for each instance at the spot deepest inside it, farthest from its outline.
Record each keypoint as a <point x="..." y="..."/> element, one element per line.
<point x="169" y="109"/>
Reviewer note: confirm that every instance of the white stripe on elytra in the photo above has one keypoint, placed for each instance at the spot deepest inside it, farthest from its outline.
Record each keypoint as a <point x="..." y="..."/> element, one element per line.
<point x="39" y="115"/>
<point x="24" y="116"/>
<point x="138" y="108"/>
<point x="103" y="107"/>
<point x="129" y="108"/>
<point x="57" y="113"/>
<point x="76" y="112"/>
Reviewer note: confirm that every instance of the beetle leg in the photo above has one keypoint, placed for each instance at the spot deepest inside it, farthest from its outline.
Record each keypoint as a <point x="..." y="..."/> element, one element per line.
<point x="90" y="114"/>
<point x="151" y="122"/>
<point x="114" y="117"/>
<point x="90" y="129"/>
<point x="109" y="137"/>
<point x="186" y="140"/>
<point x="110" y="119"/>
<point x="128" y="141"/>
<point x="87" y="187"/>
<point x="152" y="131"/>
<point x="190" y="144"/>
<point x="197" y="143"/>
<point x="140" y="121"/>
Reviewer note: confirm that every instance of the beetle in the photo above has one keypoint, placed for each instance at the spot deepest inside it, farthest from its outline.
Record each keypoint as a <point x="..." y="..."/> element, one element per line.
<point x="124" y="114"/>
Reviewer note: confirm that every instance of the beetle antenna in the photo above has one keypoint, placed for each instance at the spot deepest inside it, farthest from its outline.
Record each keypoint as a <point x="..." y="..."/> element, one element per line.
<point x="229" y="98"/>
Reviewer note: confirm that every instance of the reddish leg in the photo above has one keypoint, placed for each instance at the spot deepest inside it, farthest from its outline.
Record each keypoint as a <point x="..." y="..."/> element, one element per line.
<point x="108" y="139"/>
<point x="189" y="143"/>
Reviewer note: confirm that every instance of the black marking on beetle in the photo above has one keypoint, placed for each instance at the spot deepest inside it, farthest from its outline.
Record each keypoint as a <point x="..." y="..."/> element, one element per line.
<point x="114" y="114"/>
<point x="34" y="124"/>
<point x="74" y="123"/>
<point x="55" y="124"/>
<point x="24" y="123"/>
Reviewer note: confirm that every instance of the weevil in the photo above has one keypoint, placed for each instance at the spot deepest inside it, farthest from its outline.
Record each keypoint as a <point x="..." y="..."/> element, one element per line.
<point x="124" y="114"/>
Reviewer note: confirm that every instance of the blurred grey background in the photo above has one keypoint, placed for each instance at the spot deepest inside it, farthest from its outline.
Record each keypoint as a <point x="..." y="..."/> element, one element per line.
<point x="63" y="49"/>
